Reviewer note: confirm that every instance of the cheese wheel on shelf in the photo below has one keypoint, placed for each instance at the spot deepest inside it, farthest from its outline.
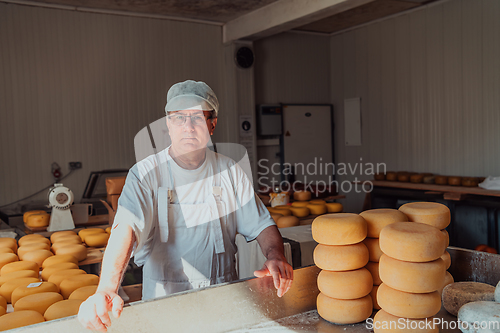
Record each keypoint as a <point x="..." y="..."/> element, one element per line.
<point x="59" y="276"/>
<point x="58" y="245"/>
<point x="275" y="217"/>
<point x="31" y="212"/>
<point x="19" y="319"/>
<point x="77" y="250"/>
<point x="11" y="243"/>
<point x="384" y="322"/>
<point x="448" y="279"/>
<point x="19" y="266"/>
<point x="317" y="209"/>
<point x="287" y="221"/>
<point x="441" y="180"/>
<point x="344" y="311"/>
<point x="83" y="292"/>
<point x="97" y="240"/>
<point x="38" y="220"/>
<point x="317" y="202"/>
<point x="409" y="241"/>
<point x="6" y="250"/>
<point x="377" y="219"/>
<point x="300" y="203"/>
<point x="17" y="275"/>
<point x="31" y="247"/>
<point x="84" y="232"/>
<point x="447" y="259"/>
<point x="38" y="256"/>
<point x="284" y="212"/>
<point x="334" y="207"/>
<point x="373" y="267"/>
<point x="391" y="176"/>
<point x="75" y="239"/>
<point x="456" y="295"/>
<point x="8" y="287"/>
<point x="74" y="282"/>
<point x="445" y="233"/>
<point x="340" y="257"/>
<point x="412" y="277"/>
<point x="48" y="271"/>
<point x="339" y="229"/>
<point x="345" y="285"/>
<point x="30" y="238"/>
<point x="38" y="302"/>
<point x="7" y="258"/>
<point x="373" y="295"/>
<point x="373" y="248"/>
<point x="432" y="213"/>
<point x="302" y="195"/>
<point x="63" y="309"/>
<point x="408" y="305"/>
<point x="56" y="235"/>
<point x="57" y="259"/>
<point x="27" y="289"/>
<point x="300" y="211"/>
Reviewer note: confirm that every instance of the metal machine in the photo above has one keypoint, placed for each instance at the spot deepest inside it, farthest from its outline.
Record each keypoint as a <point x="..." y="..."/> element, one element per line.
<point x="60" y="200"/>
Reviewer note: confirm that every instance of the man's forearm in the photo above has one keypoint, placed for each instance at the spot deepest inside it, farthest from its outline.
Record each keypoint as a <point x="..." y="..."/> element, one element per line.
<point x="271" y="243"/>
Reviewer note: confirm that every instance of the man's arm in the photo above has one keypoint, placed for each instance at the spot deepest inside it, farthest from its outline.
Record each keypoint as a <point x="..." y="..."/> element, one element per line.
<point x="93" y="312"/>
<point x="271" y="243"/>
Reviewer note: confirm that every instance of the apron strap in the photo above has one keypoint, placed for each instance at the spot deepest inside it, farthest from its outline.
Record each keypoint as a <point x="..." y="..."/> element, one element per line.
<point x="216" y="226"/>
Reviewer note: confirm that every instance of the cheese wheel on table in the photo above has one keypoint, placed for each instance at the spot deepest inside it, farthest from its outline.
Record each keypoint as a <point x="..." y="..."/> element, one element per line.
<point x="317" y="209"/>
<point x="6" y="250"/>
<point x="339" y="229"/>
<point x="432" y="213"/>
<point x="48" y="271"/>
<point x="300" y="203"/>
<point x="2" y="311"/>
<point x="384" y="322"/>
<point x="84" y="232"/>
<point x="340" y="257"/>
<point x="83" y="292"/>
<point x="56" y="235"/>
<point x="31" y="212"/>
<point x="448" y="279"/>
<point x="373" y="248"/>
<point x="27" y="289"/>
<point x="302" y="195"/>
<point x="7" y="258"/>
<point x="373" y="294"/>
<point x="409" y="241"/>
<point x="373" y="267"/>
<point x="283" y="211"/>
<point x="344" y="311"/>
<point x="447" y="259"/>
<point x="287" y="221"/>
<point x="458" y="294"/>
<point x="97" y="240"/>
<point x="3" y="302"/>
<point x="8" y="287"/>
<point x="39" y="302"/>
<point x="11" y="243"/>
<point x="317" y="202"/>
<point x="74" y="282"/>
<point x="63" y="309"/>
<point x="300" y="211"/>
<point x="57" y="259"/>
<point x="345" y="285"/>
<point x="38" y="220"/>
<point x="408" y="305"/>
<point x="59" y="276"/>
<point x="75" y="239"/>
<point x="58" y="245"/>
<point x="16" y="275"/>
<point x="32" y="238"/>
<point x="79" y="251"/>
<point x="19" y="319"/>
<point x="377" y="219"/>
<point x="19" y="266"/>
<point x="412" y="277"/>
<point x="334" y="207"/>
<point x="38" y="256"/>
<point x="31" y="247"/>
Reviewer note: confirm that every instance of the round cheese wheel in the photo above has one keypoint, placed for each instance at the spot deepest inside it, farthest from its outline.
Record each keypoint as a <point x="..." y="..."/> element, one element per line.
<point x="97" y="240"/>
<point x="418" y="178"/>
<point x="384" y="322"/>
<point x="38" y="220"/>
<point x="63" y="309"/>
<point x="479" y="316"/>
<point x="6" y="250"/>
<point x="456" y="295"/>
<point x="38" y="256"/>
<point x="7" y="258"/>
<point x="11" y="243"/>
<point x="447" y="259"/>
<point x="302" y="195"/>
<point x="48" y="271"/>
<point x="3" y="302"/>
<point x="59" y="276"/>
<point x="78" y="251"/>
<point x="412" y="277"/>
<point x="16" y="275"/>
<point x="20" y="266"/>
<point x="75" y="239"/>
<point x="83" y="292"/>
<point x="31" y="212"/>
<point x="429" y="179"/>
<point x="340" y="257"/>
<point x="373" y="295"/>
<point x="317" y="209"/>
<point x="8" y="287"/>
<point x="74" y="282"/>
<point x="2" y="311"/>
<point x="391" y="176"/>
<point x="58" y="245"/>
<point x="287" y="221"/>
<point x="57" y="259"/>
<point x="345" y="285"/>
<point x="84" y="232"/>
<point x="339" y="229"/>
<point x="448" y="279"/>
<point x="35" y="240"/>
<point x="344" y="311"/>
<point x="284" y="212"/>
<point x="373" y="248"/>
<point x="377" y="219"/>
<point x="276" y="217"/>
<point x="441" y="180"/>
<point x="318" y="202"/>
<point x="19" y="319"/>
<point x="108" y="230"/>
<point x="334" y="207"/>
<point x="38" y="302"/>
<point x="300" y="203"/>
<point x="454" y="181"/>
<point x="373" y="267"/>
<point x="56" y="235"/>
<point x="445" y="233"/>
<point x="300" y="211"/>
<point x="27" y="289"/>
<point x="409" y="241"/>
<point x="31" y="247"/>
<point x="432" y="213"/>
<point x="30" y="238"/>
<point x="403" y="176"/>
<point x="408" y="305"/>
<point x="379" y="176"/>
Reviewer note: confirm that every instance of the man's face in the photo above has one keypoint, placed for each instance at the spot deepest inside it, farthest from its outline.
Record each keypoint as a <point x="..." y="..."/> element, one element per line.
<point x="190" y="130"/>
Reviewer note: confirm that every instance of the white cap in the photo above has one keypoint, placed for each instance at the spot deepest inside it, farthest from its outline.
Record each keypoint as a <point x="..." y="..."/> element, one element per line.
<point x="191" y="95"/>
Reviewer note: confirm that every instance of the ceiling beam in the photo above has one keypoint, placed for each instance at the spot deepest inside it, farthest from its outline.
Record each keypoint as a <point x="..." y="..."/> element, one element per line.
<point x="283" y="15"/>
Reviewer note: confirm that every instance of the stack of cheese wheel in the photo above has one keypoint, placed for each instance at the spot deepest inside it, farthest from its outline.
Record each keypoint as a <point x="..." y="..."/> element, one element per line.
<point x="412" y="272"/>
<point x="69" y="243"/>
<point x="376" y="220"/>
<point x="94" y="237"/>
<point x="36" y="219"/>
<point x="284" y="217"/>
<point x="299" y="206"/>
<point x="344" y="283"/>
<point x="35" y="248"/>
<point x="437" y="215"/>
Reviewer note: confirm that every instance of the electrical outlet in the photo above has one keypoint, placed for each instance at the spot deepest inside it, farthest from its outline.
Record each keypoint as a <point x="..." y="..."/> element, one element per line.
<point x="75" y="165"/>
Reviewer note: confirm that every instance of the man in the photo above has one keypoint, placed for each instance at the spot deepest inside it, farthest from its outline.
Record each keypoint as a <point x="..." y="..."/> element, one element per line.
<point x="179" y="212"/>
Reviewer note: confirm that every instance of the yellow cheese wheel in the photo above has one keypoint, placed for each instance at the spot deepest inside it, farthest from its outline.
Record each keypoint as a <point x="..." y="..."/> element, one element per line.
<point x="66" y="242"/>
<point x="35" y="240"/>
<point x="38" y="220"/>
<point x="84" y="232"/>
<point x="77" y="250"/>
<point x="318" y="202"/>
<point x="300" y="203"/>
<point x="302" y="195"/>
<point x="300" y="211"/>
<point x="447" y="259"/>
<point x="411" y="241"/>
<point x="19" y="319"/>
<point x="2" y="311"/>
<point x="57" y="259"/>
<point x="344" y="311"/>
<point x="377" y="219"/>
<point x="7" y="258"/>
<point x="56" y="235"/>
<point x="408" y="305"/>
<point x="30" y="238"/>
<point x="97" y="240"/>
<point x="373" y="267"/>
<point x="27" y="289"/>
<point x="284" y="212"/>
<point x="75" y="239"/>
<point x="63" y="309"/>
<point x="276" y="217"/>
<point x="340" y="257"/>
<point x="345" y="285"/>
<point x="38" y="256"/>
<point x="3" y="302"/>
<point x="445" y="233"/>
<point x="48" y="271"/>
<point x="74" y="282"/>
<point x="20" y="266"/>
<point x="16" y="275"/>
<point x="433" y="213"/>
<point x="317" y="209"/>
<point x="38" y="302"/>
<point x="412" y="277"/>
<point x="384" y="322"/>
<point x="31" y="212"/>
<point x="448" y="279"/>
<point x="6" y="250"/>
<point x="8" y="287"/>
<point x="108" y="230"/>
<point x="373" y="295"/>
<point x="334" y="207"/>
<point x="31" y="247"/>
<point x="373" y="248"/>
<point x="59" y="276"/>
<point x="287" y="221"/>
<point x="11" y="243"/>
<point x="339" y="229"/>
<point x="83" y="292"/>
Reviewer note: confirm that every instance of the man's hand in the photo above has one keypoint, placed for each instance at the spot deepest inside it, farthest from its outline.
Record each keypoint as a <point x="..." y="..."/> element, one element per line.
<point x="93" y="312"/>
<point x="281" y="271"/>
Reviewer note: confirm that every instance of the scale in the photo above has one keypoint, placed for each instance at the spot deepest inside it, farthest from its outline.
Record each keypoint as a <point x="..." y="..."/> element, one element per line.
<point x="60" y="200"/>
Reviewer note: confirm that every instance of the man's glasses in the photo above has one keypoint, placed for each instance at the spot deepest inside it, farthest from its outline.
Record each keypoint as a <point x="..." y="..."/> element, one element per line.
<point x="180" y="119"/>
